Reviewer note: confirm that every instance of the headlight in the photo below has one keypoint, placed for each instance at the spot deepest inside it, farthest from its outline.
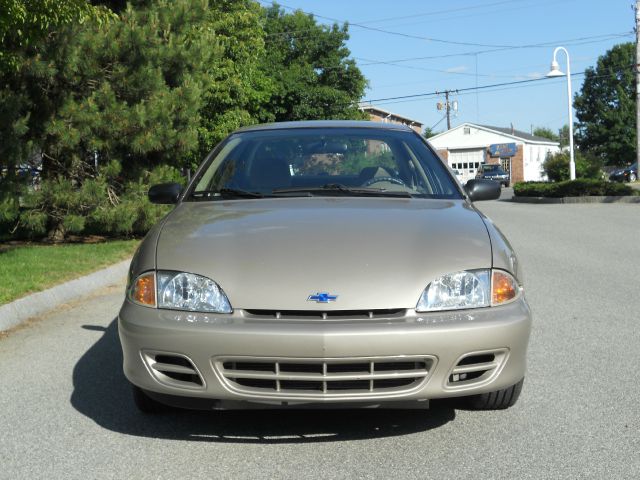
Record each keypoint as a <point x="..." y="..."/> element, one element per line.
<point x="468" y="289"/>
<point x="179" y="291"/>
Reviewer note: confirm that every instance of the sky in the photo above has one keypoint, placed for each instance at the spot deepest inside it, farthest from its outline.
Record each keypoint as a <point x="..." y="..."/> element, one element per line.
<point x="475" y="43"/>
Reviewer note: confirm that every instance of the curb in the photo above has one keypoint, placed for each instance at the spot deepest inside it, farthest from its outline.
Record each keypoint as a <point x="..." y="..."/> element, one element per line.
<point x="585" y="199"/>
<point x="16" y="312"/>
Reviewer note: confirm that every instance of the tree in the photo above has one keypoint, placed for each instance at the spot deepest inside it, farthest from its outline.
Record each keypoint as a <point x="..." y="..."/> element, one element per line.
<point x="429" y="132"/>
<point x="562" y="136"/>
<point x="125" y="95"/>
<point x="107" y="107"/>
<point x="237" y="92"/>
<point x="25" y="23"/>
<point x="605" y="107"/>
<point x="545" y="133"/>
<point x="311" y="70"/>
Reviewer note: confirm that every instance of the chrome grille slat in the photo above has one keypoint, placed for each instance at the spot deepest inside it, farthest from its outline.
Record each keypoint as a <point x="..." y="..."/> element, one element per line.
<point x="324" y="377"/>
<point x="166" y="367"/>
<point x="478" y="367"/>
<point x="325" y="314"/>
<point x="371" y="369"/>
<point x="173" y="369"/>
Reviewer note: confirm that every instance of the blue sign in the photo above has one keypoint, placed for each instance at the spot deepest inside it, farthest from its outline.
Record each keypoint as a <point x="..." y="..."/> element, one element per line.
<point x="503" y="149"/>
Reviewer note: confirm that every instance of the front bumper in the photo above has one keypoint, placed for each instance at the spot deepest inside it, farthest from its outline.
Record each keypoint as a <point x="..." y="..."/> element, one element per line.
<point x="238" y="359"/>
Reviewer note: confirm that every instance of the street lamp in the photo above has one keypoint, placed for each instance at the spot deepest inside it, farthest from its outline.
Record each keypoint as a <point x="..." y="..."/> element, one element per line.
<point x="556" y="72"/>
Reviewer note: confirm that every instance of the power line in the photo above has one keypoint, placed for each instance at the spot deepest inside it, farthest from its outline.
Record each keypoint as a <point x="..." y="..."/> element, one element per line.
<point x="477" y="14"/>
<point x="484" y="87"/>
<point x="494" y="47"/>
<point x="476" y="92"/>
<point x="481" y="87"/>
<point x="516" y="76"/>
<point x="425" y="69"/>
<point x="498" y="87"/>
<point x="438" y="123"/>
<point x="438" y="12"/>
<point x="390" y="32"/>
<point x="397" y="63"/>
<point x="575" y="41"/>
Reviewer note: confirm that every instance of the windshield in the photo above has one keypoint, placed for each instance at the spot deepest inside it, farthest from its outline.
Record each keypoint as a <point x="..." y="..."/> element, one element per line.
<point x="492" y="169"/>
<point x="324" y="161"/>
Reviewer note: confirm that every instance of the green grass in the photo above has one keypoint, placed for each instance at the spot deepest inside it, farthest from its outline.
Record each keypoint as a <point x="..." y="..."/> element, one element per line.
<point x="31" y="268"/>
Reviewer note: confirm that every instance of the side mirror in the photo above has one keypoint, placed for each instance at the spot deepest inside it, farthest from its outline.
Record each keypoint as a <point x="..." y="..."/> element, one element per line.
<point x="165" y="193"/>
<point x="481" y="189"/>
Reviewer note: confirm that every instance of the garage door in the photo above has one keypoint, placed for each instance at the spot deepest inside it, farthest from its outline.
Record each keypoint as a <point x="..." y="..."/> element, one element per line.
<point x="466" y="161"/>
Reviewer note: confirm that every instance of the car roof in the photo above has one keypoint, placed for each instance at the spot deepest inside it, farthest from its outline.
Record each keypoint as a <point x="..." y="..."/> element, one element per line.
<point x="326" y="124"/>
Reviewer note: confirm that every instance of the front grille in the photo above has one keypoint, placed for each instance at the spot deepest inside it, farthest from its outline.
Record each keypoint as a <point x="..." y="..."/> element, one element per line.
<point x="326" y="315"/>
<point x="324" y="377"/>
<point x="476" y="367"/>
<point x="173" y="369"/>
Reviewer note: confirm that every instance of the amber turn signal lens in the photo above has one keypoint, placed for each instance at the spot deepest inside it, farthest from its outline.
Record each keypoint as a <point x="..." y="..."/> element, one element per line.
<point x="503" y="287"/>
<point x="144" y="290"/>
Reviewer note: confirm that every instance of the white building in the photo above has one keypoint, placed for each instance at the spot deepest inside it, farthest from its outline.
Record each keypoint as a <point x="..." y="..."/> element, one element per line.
<point x="468" y="146"/>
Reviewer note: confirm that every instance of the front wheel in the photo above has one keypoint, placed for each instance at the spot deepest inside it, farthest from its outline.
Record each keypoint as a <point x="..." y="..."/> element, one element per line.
<point x="633" y="177"/>
<point x="145" y="403"/>
<point x="498" y="400"/>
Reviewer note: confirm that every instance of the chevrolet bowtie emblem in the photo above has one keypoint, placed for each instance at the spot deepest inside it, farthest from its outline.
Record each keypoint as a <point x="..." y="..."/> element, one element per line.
<point x="322" y="297"/>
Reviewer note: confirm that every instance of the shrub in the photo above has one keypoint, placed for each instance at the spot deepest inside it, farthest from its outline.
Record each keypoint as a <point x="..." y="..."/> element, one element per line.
<point x="556" y="166"/>
<point x="572" y="188"/>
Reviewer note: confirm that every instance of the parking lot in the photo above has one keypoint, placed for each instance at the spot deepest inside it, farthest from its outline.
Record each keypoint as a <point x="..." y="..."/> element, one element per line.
<point x="66" y="409"/>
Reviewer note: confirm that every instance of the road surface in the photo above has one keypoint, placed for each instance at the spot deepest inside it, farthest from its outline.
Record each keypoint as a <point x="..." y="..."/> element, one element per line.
<point x="67" y="413"/>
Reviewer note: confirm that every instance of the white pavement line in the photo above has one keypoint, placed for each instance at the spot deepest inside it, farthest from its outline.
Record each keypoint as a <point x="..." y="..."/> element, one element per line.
<point x="16" y="312"/>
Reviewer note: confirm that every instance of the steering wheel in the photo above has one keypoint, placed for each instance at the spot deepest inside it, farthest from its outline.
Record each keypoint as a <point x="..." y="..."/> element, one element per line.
<point x="373" y="180"/>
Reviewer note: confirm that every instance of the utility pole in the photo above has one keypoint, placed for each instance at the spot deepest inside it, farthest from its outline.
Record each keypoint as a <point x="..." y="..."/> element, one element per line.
<point x="448" y="106"/>
<point x="637" y="89"/>
<point x="446" y="100"/>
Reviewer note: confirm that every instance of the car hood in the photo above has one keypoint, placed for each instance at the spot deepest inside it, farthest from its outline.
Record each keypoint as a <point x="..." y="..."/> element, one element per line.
<point x="373" y="253"/>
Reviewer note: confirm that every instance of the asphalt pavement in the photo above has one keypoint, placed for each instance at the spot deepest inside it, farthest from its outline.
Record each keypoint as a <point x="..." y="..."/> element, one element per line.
<point x="66" y="410"/>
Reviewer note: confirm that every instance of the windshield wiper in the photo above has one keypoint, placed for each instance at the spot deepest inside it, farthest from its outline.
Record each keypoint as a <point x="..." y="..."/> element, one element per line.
<point x="226" y="193"/>
<point x="333" y="188"/>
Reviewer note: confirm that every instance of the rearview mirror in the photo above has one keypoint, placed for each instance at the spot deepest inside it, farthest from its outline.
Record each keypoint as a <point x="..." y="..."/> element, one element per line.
<point x="325" y="148"/>
<point x="481" y="189"/>
<point x="165" y="193"/>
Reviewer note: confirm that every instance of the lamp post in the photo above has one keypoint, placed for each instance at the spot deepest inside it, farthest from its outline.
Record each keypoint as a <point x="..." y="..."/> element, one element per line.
<point x="556" y="72"/>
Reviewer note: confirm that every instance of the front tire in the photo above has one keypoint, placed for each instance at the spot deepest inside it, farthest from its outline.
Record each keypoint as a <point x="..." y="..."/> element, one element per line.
<point x="633" y="177"/>
<point x="145" y="404"/>
<point x="498" y="400"/>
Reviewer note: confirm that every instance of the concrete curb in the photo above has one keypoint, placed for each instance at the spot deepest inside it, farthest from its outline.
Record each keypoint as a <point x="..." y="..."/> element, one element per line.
<point x="592" y="199"/>
<point x="16" y="312"/>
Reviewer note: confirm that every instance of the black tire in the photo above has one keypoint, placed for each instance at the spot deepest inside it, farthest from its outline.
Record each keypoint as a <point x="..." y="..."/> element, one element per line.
<point x="146" y="404"/>
<point x="498" y="400"/>
<point x="507" y="184"/>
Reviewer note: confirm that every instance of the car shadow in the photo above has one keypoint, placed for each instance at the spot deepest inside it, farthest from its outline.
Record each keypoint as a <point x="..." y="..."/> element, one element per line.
<point x="102" y="393"/>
